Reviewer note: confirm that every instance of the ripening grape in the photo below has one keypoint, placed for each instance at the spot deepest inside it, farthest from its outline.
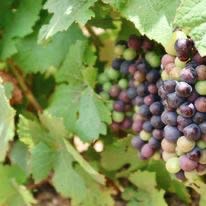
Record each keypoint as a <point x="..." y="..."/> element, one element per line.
<point x="185" y="145"/>
<point x="173" y="165"/>
<point x="200" y="87"/>
<point x="200" y="104"/>
<point x="187" y="164"/>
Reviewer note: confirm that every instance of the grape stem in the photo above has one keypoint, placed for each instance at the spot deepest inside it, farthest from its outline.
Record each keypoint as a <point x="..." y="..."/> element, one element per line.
<point x="96" y="40"/>
<point x="28" y="93"/>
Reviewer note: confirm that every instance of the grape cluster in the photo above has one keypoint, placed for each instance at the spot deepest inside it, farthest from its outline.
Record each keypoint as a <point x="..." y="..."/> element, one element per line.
<point x="183" y="94"/>
<point x="131" y="83"/>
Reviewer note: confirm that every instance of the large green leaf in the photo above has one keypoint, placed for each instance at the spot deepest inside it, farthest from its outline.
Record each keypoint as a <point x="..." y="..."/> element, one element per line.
<point x="7" y="114"/>
<point x="191" y="18"/>
<point x="93" y="116"/>
<point x="151" y="17"/>
<point x="12" y="193"/>
<point x="49" y="55"/>
<point x="147" y="193"/>
<point x="19" y="24"/>
<point x="65" y="12"/>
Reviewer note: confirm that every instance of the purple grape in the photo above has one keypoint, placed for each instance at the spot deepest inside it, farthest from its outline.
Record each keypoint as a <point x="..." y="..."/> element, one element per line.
<point x="157" y="122"/>
<point x="193" y="96"/>
<point x="131" y="92"/>
<point x="116" y="63"/>
<point x="203" y="127"/>
<point x="137" y="126"/>
<point x="183" y="122"/>
<point x="174" y="101"/>
<point x="194" y="154"/>
<point x="137" y="142"/>
<point x="118" y="106"/>
<point x="171" y="133"/>
<point x="134" y="42"/>
<point x="123" y="96"/>
<point x="114" y="91"/>
<point x="169" y="86"/>
<point x="152" y="89"/>
<point x="124" y="68"/>
<point x="158" y="134"/>
<point x="192" y="132"/>
<point x="187" y="164"/>
<point x="162" y="93"/>
<point x="183" y="89"/>
<point x="187" y="109"/>
<point x="180" y="175"/>
<point x="156" y="108"/>
<point x="199" y="117"/>
<point x="147" y="126"/>
<point x="188" y="75"/>
<point x="183" y="48"/>
<point x="153" y="76"/>
<point x="169" y="118"/>
<point x="147" y="151"/>
<point x="200" y="104"/>
<point x="132" y="69"/>
<point x="127" y="123"/>
<point x="138" y="101"/>
<point x="149" y="99"/>
<point x="154" y="143"/>
<point x="142" y="67"/>
<point x="144" y="111"/>
<point x="142" y="90"/>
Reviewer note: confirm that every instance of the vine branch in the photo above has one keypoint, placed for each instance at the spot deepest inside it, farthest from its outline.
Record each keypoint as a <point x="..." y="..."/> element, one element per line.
<point x="27" y="92"/>
<point x="94" y="36"/>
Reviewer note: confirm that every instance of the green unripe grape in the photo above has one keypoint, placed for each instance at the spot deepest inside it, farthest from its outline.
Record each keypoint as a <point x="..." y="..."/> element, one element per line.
<point x="102" y="78"/>
<point x="123" y="83"/>
<point x="117" y="116"/>
<point x="129" y="54"/>
<point x="104" y="95"/>
<point x="175" y="73"/>
<point x="110" y="105"/>
<point x="201" y="144"/>
<point x="200" y="87"/>
<point x="156" y="156"/>
<point x="202" y="159"/>
<point x="170" y="49"/>
<point x="173" y="165"/>
<point x="191" y="176"/>
<point x="136" y="108"/>
<point x="165" y="75"/>
<point x="179" y="63"/>
<point x="153" y="59"/>
<point x="166" y="155"/>
<point x="107" y="86"/>
<point x="112" y="74"/>
<point x="145" y="135"/>
<point x="119" y="50"/>
<point x="185" y="145"/>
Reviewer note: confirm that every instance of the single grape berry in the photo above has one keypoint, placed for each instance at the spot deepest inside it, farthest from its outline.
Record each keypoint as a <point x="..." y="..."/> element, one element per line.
<point x="169" y="86"/>
<point x="192" y="132"/>
<point x="200" y="104"/>
<point x="173" y="165"/>
<point x="187" y="164"/>
<point x="183" y="89"/>
<point x="200" y="87"/>
<point x="137" y="142"/>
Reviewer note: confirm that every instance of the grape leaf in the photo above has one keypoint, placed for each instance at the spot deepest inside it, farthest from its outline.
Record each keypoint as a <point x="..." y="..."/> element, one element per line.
<point x="50" y="55"/>
<point x="18" y="26"/>
<point x="79" y="57"/>
<point x="64" y="103"/>
<point x="191" y="17"/>
<point x="42" y="158"/>
<point x="147" y="192"/>
<point x="93" y="116"/>
<point x="65" y="12"/>
<point x="120" y="153"/>
<point x="12" y="193"/>
<point x="7" y="114"/>
<point x="151" y="17"/>
<point x="20" y="156"/>
<point x="69" y="101"/>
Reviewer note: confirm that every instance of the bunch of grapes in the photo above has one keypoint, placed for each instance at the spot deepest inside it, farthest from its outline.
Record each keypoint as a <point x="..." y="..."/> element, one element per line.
<point x="183" y="94"/>
<point x="132" y="85"/>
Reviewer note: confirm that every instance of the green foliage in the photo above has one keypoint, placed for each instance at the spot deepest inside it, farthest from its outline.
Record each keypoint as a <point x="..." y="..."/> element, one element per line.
<point x="65" y="12"/>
